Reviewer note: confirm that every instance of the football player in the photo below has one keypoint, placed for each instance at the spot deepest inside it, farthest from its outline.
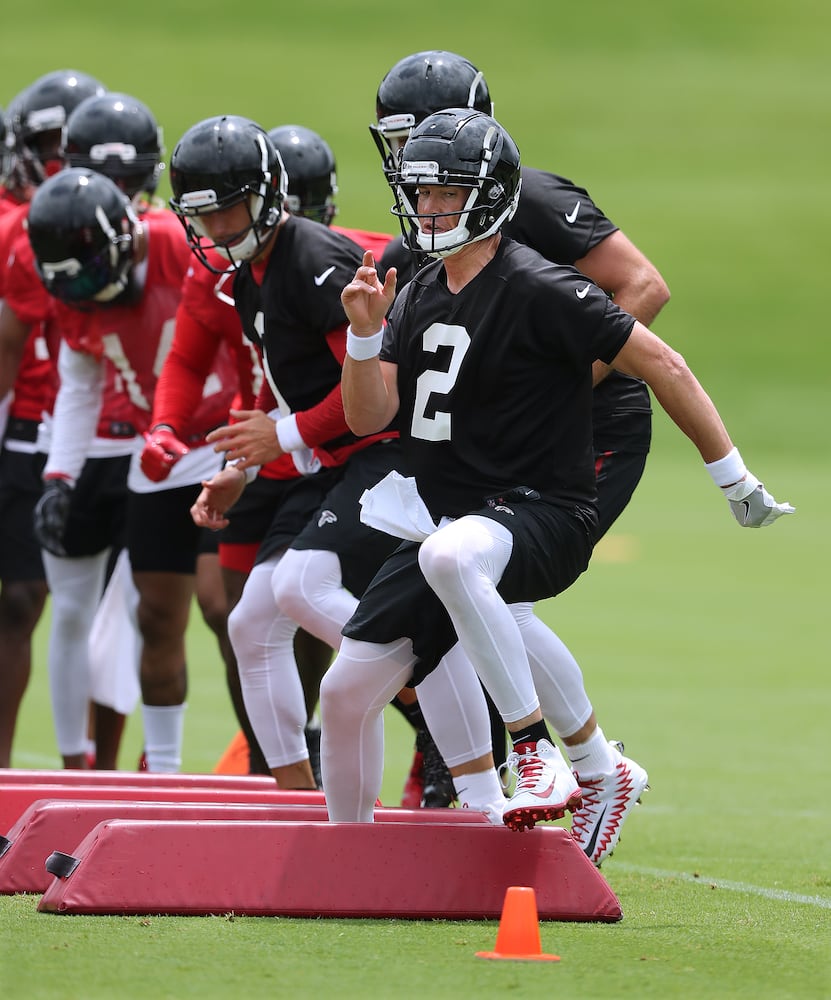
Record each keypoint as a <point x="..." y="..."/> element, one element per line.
<point x="561" y="221"/>
<point x="117" y="281"/>
<point x="28" y="382"/>
<point x="498" y="438"/>
<point x="205" y="317"/>
<point x="229" y="187"/>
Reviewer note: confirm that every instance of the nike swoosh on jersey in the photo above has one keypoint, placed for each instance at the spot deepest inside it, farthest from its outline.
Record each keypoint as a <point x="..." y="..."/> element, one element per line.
<point x="571" y="217"/>
<point x="581" y="293"/>
<point x="320" y="278"/>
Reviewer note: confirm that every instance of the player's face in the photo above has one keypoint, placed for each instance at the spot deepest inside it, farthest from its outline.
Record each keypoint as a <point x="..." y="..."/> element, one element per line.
<point x="442" y="206"/>
<point x="227" y="226"/>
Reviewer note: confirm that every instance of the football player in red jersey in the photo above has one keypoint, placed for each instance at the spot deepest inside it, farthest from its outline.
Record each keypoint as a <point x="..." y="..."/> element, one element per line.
<point x="115" y="134"/>
<point x="118" y="281"/>
<point x="34" y="120"/>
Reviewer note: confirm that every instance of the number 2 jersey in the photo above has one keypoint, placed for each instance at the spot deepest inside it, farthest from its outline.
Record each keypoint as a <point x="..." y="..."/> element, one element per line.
<point x="559" y="220"/>
<point x="495" y="381"/>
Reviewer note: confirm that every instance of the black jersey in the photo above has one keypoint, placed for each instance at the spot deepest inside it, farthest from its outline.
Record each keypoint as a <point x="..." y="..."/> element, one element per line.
<point x="495" y="382"/>
<point x="559" y="220"/>
<point x="290" y="315"/>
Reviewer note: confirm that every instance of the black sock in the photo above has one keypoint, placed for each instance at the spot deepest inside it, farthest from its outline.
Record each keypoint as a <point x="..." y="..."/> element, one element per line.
<point x="412" y="713"/>
<point x="533" y="733"/>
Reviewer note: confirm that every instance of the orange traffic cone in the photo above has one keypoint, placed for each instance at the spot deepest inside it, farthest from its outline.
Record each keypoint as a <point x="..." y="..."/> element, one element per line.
<point x="518" y="937"/>
<point x="235" y="758"/>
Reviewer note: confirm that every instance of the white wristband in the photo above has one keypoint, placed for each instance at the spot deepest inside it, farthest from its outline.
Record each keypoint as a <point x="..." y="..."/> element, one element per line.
<point x="363" y="348"/>
<point x="728" y="470"/>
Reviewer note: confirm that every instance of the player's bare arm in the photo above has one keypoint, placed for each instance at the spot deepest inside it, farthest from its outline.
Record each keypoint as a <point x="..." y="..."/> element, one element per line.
<point x="368" y="385"/>
<point x="679" y="392"/>
<point x="619" y="268"/>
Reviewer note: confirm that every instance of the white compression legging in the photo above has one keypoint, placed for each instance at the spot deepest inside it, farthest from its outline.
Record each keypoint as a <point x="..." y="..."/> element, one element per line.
<point x="521" y="662"/>
<point x="365" y="676"/>
<point x="75" y="587"/>
<point x="263" y="642"/>
<point x="308" y="588"/>
<point x="353" y="695"/>
<point x="463" y="562"/>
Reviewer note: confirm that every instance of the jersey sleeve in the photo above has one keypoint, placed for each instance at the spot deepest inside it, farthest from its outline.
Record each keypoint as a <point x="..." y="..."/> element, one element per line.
<point x="557" y="218"/>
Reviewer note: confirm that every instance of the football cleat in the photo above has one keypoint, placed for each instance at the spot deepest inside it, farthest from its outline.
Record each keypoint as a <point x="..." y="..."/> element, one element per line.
<point x="545" y="786"/>
<point x="607" y="800"/>
<point x="414" y="785"/>
<point x="439" y="791"/>
<point x="312" y="734"/>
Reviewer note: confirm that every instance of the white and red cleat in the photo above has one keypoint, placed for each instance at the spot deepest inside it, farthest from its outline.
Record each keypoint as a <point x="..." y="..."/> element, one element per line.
<point x="607" y="801"/>
<point x="545" y="786"/>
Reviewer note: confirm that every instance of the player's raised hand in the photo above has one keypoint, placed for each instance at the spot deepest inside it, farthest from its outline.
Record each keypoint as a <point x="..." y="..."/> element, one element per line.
<point x="366" y="299"/>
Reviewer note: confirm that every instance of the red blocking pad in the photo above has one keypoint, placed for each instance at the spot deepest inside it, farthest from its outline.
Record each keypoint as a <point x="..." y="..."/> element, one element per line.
<point x="15" y="799"/>
<point x="60" y="825"/>
<point x="395" y="870"/>
<point x="25" y="776"/>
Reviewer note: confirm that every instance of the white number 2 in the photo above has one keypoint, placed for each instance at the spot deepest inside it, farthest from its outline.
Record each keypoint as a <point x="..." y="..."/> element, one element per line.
<point x="439" y="426"/>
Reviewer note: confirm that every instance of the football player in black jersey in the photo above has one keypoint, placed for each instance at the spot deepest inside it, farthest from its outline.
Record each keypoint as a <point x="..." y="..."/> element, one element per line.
<point x="559" y="220"/>
<point x="230" y="189"/>
<point x="486" y="363"/>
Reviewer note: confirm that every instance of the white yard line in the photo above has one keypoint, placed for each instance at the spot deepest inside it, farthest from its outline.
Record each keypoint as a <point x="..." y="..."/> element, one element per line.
<point x="754" y="890"/>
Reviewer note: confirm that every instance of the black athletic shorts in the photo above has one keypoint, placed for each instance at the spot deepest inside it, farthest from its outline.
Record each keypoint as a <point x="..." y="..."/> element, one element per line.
<point x="20" y="488"/>
<point x="161" y="534"/>
<point x="336" y="525"/>
<point x="98" y="509"/>
<point x="552" y="547"/>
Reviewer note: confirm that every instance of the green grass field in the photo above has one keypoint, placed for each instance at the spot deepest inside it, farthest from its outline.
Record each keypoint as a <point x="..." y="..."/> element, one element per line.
<point x="702" y="130"/>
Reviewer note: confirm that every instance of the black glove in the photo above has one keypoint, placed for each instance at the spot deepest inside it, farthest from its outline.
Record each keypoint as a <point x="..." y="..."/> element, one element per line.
<point x="51" y="515"/>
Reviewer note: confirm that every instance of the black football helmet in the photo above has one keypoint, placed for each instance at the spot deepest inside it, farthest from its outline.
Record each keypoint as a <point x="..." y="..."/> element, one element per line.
<point x="458" y="147"/>
<point x="82" y="229"/>
<point x="117" y="135"/>
<point x="36" y="119"/>
<point x="218" y="163"/>
<point x="310" y="164"/>
<point x="419" y="85"/>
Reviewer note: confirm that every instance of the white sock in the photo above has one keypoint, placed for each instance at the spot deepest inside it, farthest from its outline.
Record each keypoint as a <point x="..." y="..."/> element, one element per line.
<point x="593" y="757"/>
<point x="475" y="791"/>
<point x="163" y="730"/>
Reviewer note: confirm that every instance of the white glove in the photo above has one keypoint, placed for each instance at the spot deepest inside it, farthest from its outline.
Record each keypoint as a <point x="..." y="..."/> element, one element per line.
<point x="752" y="505"/>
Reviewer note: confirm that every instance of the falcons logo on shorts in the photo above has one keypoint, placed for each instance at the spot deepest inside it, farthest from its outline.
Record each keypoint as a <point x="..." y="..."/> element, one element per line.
<point x="327" y="517"/>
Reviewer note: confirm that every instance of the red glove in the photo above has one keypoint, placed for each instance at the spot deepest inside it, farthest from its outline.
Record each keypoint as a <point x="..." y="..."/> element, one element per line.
<point x="161" y="452"/>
